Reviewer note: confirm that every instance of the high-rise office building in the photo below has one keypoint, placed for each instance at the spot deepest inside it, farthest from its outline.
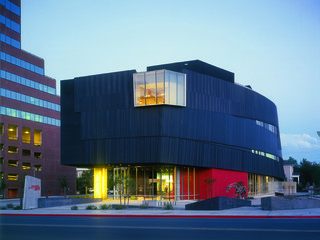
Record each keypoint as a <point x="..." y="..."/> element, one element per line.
<point x="30" y="113"/>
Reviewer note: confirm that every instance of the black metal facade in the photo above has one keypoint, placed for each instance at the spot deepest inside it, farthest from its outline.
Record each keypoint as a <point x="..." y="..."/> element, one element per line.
<point x="216" y="129"/>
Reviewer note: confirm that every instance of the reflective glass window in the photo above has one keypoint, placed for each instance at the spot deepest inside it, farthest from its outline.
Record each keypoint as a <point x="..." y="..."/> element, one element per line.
<point x="159" y="87"/>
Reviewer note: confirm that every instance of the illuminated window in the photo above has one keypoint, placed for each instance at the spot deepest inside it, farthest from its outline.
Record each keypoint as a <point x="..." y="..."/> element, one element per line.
<point x="26" y="136"/>
<point x="12" y="149"/>
<point x="38" y="168"/>
<point x="12" y="132"/>
<point x="26" y="165"/>
<point x="13" y="163"/>
<point x="12" y="177"/>
<point x="159" y="87"/>
<point x="37" y="137"/>
<point x="1" y="146"/>
<point x="38" y="155"/>
<point x="1" y="129"/>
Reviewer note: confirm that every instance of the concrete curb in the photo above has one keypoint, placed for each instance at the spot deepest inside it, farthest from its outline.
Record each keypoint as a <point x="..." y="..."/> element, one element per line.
<point x="159" y="216"/>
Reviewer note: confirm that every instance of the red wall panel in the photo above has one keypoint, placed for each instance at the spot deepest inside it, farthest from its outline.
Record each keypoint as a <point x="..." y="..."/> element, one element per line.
<point x="224" y="178"/>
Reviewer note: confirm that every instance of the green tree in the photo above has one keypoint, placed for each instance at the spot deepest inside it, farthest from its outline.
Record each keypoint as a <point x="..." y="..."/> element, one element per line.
<point x="124" y="185"/>
<point x="296" y="167"/>
<point x="85" y="180"/>
<point x="309" y="172"/>
<point x="63" y="182"/>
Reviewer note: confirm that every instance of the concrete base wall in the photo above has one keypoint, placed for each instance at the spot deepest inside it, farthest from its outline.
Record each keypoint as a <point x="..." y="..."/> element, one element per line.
<point x="218" y="203"/>
<point x="56" y="202"/>
<point x="281" y="203"/>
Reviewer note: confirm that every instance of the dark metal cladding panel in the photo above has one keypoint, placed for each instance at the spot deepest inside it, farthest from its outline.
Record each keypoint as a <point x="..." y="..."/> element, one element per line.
<point x="71" y="145"/>
<point x="196" y="66"/>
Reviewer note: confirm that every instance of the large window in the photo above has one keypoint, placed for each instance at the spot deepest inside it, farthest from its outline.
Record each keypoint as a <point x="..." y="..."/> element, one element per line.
<point x="26" y="165"/>
<point x="12" y="132"/>
<point x="12" y="177"/>
<point x="13" y="163"/>
<point x="37" y="137"/>
<point x="159" y="87"/>
<point x="12" y="149"/>
<point x="26" y="135"/>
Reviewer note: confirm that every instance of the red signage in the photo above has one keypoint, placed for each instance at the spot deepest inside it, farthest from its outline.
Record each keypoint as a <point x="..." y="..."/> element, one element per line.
<point x="35" y="187"/>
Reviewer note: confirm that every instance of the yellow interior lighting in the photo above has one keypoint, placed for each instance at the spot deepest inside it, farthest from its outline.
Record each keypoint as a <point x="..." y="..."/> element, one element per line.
<point x="100" y="183"/>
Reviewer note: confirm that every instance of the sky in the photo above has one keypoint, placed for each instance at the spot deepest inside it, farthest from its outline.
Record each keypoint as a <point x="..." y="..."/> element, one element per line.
<point x="272" y="45"/>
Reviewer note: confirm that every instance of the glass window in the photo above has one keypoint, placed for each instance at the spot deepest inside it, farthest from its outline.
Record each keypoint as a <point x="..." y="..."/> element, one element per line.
<point x="139" y="89"/>
<point x="38" y="168"/>
<point x="1" y="160"/>
<point x="1" y="146"/>
<point x="26" y="152"/>
<point x="13" y="163"/>
<point x="37" y="155"/>
<point x="26" y="136"/>
<point x="151" y="90"/>
<point x="159" y="87"/>
<point x="12" y="132"/>
<point x="26" y="165"/>
<point x="1" y="129"/>
<point x="12" y="149"/>
<point x="37" y="137"/>
<point x="12" y="177"/>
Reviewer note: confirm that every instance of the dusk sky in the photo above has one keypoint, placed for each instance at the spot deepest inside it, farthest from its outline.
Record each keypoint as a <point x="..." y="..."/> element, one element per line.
<point x="272" y="45"/>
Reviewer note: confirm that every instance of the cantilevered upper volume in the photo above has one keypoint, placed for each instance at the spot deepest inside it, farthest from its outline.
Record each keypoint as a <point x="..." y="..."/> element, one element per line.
<point x="186" y="114"/>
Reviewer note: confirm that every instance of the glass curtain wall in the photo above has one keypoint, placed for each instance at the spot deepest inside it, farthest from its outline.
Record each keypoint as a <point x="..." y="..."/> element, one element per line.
<point x="159" y="87"/>
<point x="261" y="184"/>
<point x="155" y="183"/>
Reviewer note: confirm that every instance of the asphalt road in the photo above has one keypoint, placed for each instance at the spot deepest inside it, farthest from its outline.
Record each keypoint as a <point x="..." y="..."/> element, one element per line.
<point x="95" y="228"/>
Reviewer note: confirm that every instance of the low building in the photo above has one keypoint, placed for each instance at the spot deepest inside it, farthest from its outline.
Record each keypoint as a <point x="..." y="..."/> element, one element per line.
<point x="184" y="130"/>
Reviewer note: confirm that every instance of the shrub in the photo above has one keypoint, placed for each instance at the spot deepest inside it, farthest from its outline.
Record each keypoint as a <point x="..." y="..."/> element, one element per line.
<point x="17" y="208"/>
<point x="119" y="207"/>
<point x="91" y="207"/>
<point x="104" y="206"/>
<point x="3" y="208"/>
<point x="144" y="206"/>
<point x="74" y="208"/>
<point x="133" y="198"/>
<point x="10" y="205"/>
<point x="168" y="206"/>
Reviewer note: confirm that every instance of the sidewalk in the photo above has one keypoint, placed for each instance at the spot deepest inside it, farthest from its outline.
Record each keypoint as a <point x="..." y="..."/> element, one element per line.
<point x="178" y="211"/>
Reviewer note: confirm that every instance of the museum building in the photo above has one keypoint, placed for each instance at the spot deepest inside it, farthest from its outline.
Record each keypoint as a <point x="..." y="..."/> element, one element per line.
<point x="183" y="130"/>
<point x="29" y="114"/>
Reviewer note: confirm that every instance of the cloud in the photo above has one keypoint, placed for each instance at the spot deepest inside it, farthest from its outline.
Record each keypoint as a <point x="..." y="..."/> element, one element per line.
<point x="300" y="141"/>
<point x="300" y="146"/>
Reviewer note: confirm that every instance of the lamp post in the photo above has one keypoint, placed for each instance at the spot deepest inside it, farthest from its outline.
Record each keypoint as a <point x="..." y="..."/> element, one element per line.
<point x="34" y="171"/>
